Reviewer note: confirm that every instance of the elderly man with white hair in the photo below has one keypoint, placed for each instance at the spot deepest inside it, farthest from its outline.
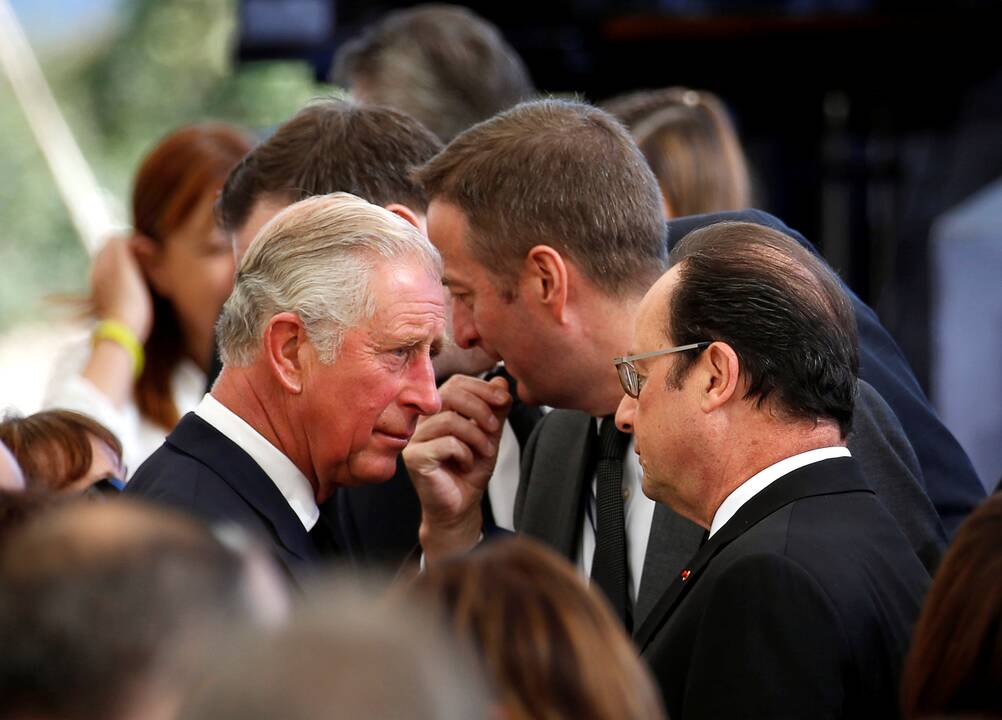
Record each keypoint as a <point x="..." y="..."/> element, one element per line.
<point x="326" y="344"/>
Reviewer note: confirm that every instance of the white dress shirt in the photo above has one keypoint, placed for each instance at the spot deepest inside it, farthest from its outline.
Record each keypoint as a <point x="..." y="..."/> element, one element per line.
<point x="504" y="481"/>
<point x="763" y="479"/>
<point x="289" y="480"/>
<point x="638" y="515"/>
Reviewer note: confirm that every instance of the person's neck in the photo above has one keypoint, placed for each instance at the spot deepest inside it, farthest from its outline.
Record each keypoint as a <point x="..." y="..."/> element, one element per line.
<point x="245" y="393"/>
<point x="606" y="334"/>
<point x="759" y="445"/>
<point x="198" y="349"/>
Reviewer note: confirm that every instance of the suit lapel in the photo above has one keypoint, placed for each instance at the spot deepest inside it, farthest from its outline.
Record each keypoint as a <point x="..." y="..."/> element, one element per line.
<point x="195" y="437"/>
<point x="673" y="540"/>
<point x="837" y="475"/>
<point x="558" y="480"/>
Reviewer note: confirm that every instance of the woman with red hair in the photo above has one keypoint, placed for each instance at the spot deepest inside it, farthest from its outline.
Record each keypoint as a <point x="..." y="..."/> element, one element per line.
<point x="156" y="295"/>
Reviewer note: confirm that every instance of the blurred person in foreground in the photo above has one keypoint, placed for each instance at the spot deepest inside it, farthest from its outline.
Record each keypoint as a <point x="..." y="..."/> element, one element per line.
<point x="740" y="389"/>
<point x="549" y="644"/>
<point x="954" y="666"/>
<point x="442" y="64"/>
<point x="107" y="610"/>
<point x="689" y="141"/>
<point x="156" y="295"/>
<point x="11" y="475"/>
<point x="326" y="343"/>
<point x="343" y="656"/>
<point x="65" y="452"/>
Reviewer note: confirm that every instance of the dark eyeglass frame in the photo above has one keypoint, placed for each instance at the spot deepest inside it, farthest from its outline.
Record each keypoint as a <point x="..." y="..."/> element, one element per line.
<point x="105" y="487"/>
<point x="628" y="376"/>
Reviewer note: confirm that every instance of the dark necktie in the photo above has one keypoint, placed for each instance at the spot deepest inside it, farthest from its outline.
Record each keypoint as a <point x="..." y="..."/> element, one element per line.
<point x="608" y="567"/>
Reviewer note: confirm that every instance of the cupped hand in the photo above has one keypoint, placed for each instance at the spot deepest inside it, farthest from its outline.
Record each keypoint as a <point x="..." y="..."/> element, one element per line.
<point x="118" y="289"/>
<point x="451" y="458"/>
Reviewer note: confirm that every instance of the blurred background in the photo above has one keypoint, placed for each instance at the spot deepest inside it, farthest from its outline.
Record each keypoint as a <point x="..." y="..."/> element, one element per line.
<point x="875" y="128"/>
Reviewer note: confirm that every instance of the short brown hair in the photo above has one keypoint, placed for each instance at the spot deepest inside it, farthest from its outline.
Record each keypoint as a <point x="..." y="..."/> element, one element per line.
<point x="443" y="64"/>
<point x="549" y="643"/>
<point x="781" y="309"/>
<point x="53" y="446"/>
<point x="690" y="142"/>
<point x="332" y="146"/>
<point x="954" y="666"/>
<point x="558" y="173"/>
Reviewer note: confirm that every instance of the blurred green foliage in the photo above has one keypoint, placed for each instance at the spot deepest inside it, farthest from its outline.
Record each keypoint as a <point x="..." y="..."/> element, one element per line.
<point x="167" y="63"/>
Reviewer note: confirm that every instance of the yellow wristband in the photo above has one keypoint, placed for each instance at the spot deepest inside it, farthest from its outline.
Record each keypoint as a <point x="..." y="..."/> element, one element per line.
<point x="120" y="334"/>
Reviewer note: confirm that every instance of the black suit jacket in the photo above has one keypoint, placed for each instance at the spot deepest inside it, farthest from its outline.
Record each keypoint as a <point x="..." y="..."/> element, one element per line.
<point x="947" y="472"/>
<point x="556" y="473"/>
<point x="801" y="606"/>
<point x="203" y="472"/>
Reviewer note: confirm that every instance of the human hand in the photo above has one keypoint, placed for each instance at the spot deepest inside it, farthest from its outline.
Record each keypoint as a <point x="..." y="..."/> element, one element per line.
<point x="451" y="458"/>
<point x="118" y="288"/>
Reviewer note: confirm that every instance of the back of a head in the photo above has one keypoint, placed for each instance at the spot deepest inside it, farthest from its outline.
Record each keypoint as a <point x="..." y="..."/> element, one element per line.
<point x="442" y="64"/>
<point x="954" y="666"/>
<point x="691" y="145"/>
<point x="11" y="475"/>
<point x="550" y="645"/>
<point x="344" y="655"/>
<point x="781" y="309"/>
<point x="332" y="146"/>
<point x="104" y="604"/>
<point x="54" y="448"/>
<point x="315" y="259"/>
<point x="557" y="173"/>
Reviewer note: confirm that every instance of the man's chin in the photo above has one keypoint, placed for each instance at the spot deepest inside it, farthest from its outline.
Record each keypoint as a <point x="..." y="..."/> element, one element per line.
<point x="368" y="468"/>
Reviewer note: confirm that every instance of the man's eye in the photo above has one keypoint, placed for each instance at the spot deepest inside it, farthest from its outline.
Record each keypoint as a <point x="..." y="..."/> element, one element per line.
<point x="465" y="298"/>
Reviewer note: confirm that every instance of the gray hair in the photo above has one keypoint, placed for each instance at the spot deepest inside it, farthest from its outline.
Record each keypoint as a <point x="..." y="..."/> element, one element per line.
<point x="442" y="64"/>
<point x="315" y="259"/>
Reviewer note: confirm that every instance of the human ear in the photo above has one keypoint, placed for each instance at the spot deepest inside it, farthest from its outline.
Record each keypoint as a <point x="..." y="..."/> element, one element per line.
<point x="546" y="277"/>
<point x="407" y="214"/>
<point x="149" y="254"/>
<point x="284" y="342"/>
<point x="719" y="368"/>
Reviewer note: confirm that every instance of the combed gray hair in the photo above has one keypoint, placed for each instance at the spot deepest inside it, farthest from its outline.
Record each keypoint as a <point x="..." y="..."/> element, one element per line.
<point x="315" y="259"/>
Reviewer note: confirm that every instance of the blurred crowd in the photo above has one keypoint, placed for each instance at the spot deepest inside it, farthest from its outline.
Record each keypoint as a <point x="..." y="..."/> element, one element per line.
<point x="451" y="400"/>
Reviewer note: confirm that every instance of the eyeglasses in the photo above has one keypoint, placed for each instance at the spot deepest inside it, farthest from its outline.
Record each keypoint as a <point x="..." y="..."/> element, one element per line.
<point x="628" y="376"/>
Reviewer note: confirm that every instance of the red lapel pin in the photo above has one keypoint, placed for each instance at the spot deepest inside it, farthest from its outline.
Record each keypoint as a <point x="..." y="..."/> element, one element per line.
<point x="685" y="575"/>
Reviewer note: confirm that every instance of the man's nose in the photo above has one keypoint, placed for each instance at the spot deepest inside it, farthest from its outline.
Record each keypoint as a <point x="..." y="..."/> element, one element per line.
<point x="464" y="331"/>
<point x="421" y="392"/>
<point x="625" y="413"/>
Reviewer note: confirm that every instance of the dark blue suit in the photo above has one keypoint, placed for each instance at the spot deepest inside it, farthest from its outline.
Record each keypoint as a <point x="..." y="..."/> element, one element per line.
<point x="203" y="472"/>
<point x="948" y="475"/>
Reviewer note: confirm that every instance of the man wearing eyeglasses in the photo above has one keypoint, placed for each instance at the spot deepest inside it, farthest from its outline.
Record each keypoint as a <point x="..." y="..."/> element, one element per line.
<point x="740" y="394"/>
<point x="549" y="224"/>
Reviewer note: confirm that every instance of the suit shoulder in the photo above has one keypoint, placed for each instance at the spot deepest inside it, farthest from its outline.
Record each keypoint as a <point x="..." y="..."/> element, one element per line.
<point x="173" y="477"/>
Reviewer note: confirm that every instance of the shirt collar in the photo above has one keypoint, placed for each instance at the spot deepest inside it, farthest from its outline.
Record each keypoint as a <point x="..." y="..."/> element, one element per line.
<point x="761" y="480"/>
<point x="289" y="480"/>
